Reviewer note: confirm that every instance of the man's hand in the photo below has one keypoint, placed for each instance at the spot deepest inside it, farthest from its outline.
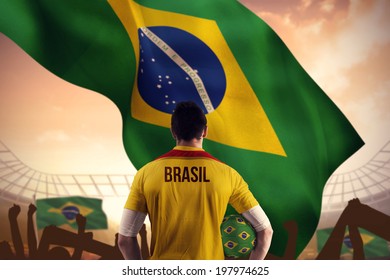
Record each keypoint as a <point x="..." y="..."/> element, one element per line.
<point x="14" y="211"/>
<point x="31" y="209"/>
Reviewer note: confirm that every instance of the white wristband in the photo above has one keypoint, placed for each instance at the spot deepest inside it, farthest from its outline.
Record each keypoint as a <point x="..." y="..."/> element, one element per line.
<point x="257" y="218"/>
<point x="131" y="222"/>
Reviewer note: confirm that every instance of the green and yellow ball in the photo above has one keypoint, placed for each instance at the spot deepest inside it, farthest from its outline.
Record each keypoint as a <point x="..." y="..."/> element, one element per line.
<point x="238" y="236"/>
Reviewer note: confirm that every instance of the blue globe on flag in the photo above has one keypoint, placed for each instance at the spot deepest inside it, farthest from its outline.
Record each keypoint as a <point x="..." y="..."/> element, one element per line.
<point x="70" y="212"/>
<point x="238" y="236"/>
<point x="174" y="66"/>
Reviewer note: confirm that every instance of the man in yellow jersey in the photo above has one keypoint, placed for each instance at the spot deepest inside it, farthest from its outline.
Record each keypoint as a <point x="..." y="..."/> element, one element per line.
<point x="186" y="192"/>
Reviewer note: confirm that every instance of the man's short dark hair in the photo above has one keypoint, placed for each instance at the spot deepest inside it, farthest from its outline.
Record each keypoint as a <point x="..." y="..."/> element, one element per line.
<point x="188" y="121"/>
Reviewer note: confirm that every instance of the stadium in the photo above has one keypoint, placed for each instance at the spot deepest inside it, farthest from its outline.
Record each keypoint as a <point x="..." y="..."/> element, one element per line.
<point x="22" y="185"/>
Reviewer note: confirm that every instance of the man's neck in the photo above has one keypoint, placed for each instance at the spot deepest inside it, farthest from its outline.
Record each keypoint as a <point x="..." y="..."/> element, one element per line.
<point x="196" y="143"/>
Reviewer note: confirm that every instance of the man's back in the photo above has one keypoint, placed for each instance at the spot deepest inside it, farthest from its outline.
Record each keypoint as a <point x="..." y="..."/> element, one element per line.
<point x="186" y="192"/>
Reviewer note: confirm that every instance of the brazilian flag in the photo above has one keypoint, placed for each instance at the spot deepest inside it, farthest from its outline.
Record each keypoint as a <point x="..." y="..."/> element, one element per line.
<point x="267" y="118"/>
<point x="61" y="211"/>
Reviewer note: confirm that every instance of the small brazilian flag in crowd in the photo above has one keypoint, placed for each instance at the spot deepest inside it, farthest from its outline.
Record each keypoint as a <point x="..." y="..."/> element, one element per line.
<point x="63" y="210"/>
<point x="374" y="246"/>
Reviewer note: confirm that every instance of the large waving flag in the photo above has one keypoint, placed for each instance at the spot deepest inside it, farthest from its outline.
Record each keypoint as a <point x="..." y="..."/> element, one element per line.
<point x="267" y="118"/>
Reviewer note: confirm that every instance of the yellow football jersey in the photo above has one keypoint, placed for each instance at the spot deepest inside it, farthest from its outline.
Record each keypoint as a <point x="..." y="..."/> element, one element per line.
<point x="186" y="193"/>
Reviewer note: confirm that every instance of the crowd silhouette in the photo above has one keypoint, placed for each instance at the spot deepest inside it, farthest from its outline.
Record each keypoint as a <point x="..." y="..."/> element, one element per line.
<point x="59" y="244"/>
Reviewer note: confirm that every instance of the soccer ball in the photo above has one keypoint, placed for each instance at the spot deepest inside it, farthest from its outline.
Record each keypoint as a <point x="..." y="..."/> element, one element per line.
<point x="238" y="236"/>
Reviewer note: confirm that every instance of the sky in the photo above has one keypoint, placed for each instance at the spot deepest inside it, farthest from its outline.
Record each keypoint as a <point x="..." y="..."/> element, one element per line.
<point x="56" y="127"/>
<point x="344" y="46"/>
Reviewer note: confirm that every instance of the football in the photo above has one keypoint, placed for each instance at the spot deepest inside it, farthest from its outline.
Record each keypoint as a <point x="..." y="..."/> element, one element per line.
<point x="238" y="236"/>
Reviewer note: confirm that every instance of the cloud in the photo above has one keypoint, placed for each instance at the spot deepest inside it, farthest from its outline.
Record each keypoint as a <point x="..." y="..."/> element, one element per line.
<point x="330" y="37"/>
<point x="53" y="136"/>
<point x="361" y="32"/>
<point x="344" y="46"/>
<point x="327" y="6"/>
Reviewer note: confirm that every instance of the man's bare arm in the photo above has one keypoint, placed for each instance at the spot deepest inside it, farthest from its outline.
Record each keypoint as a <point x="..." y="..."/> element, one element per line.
<point x="129" y="247"/>
<point x="130" y="225"/>
<point x="263" y="243"/>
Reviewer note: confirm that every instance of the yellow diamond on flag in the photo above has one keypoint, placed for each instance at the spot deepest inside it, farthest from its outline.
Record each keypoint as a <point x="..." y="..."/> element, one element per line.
<point x="366" y="238"/>
<point x="240" y="221"/>
<point x="229" y="229"/>
<point x="244" y="250"/>
<point x="244" y="235"/>
<point x="237" y="120"/>
<point x="230" y="244"/>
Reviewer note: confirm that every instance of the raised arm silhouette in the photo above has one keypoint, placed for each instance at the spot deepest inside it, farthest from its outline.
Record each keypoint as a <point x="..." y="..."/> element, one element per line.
<point x="13" y="214"/>
<point x="31" y="237"/>
<point x="355" y="215"/>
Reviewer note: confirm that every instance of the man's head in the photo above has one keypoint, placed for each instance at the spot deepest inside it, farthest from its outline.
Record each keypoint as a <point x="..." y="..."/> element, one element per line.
<point x="188" y="121"/>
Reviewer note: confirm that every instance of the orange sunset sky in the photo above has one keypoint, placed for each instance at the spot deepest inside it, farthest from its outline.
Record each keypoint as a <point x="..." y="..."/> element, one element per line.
<point x="56" y="127"/>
